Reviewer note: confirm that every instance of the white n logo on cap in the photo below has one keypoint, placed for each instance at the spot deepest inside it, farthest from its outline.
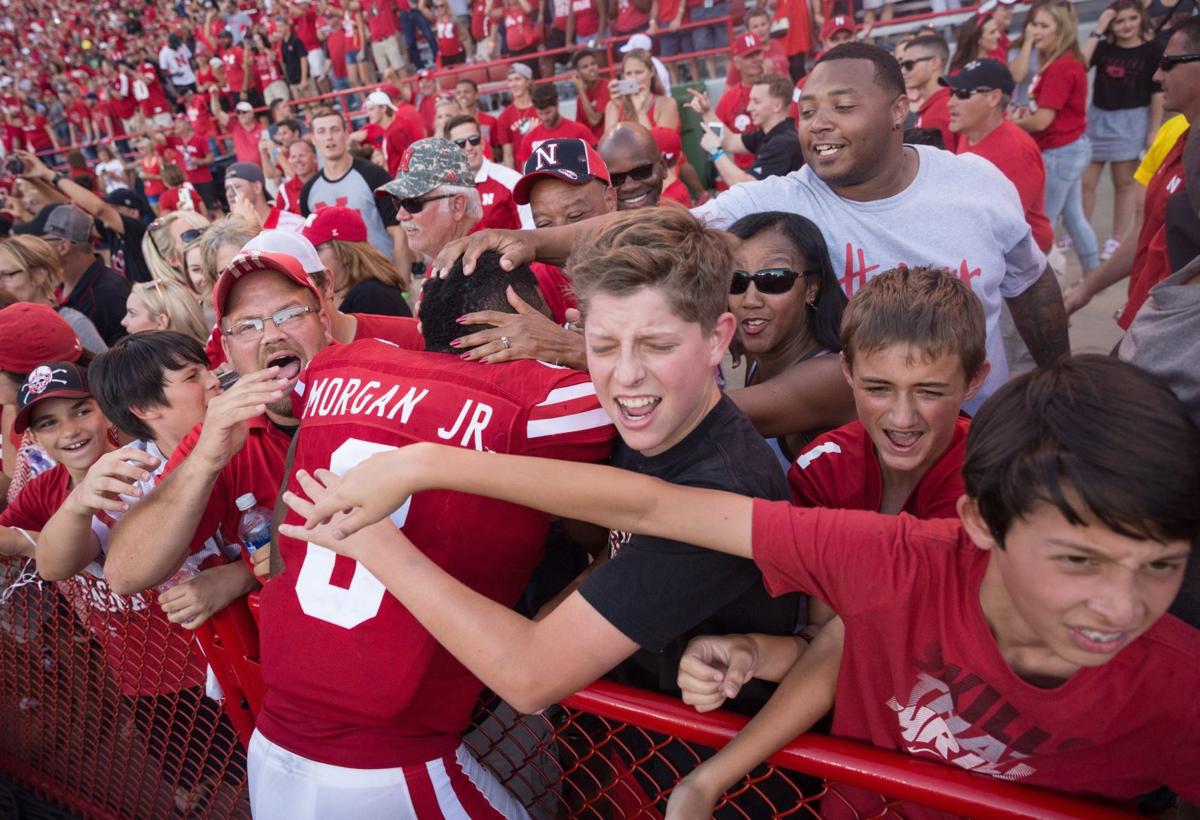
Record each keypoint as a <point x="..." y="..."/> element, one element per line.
<point x="547" y="154"/>
<point x="749" y="39"/>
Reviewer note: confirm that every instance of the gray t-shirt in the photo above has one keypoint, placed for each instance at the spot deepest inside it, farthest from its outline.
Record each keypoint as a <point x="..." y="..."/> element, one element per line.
<point x="356" y="189"/>
<point x="959" y="212"/>
<point x="1164" y="338"/>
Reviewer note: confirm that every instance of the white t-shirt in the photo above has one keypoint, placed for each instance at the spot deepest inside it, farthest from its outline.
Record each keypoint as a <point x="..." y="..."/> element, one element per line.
<point x="175" y="63"/>
<point x="960" y="212"/>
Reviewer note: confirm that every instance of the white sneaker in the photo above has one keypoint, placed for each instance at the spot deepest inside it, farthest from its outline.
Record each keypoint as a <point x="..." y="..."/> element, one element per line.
<point x="1110" y="247"/>
<point x="1063" y="243"/>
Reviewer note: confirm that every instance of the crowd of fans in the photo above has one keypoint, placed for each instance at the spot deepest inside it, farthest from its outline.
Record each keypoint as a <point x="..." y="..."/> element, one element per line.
<point x="835" y="452"/>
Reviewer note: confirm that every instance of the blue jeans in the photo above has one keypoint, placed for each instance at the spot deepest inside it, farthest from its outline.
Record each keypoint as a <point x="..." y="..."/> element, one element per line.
<point x="407" y="20"/>
<point x="1064" y="196"/>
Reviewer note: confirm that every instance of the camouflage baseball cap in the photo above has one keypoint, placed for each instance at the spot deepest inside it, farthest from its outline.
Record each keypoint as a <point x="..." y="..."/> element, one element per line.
<point x="425" y="165"/>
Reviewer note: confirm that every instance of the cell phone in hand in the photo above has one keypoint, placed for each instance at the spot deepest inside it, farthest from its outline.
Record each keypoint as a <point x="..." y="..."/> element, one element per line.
<point x="228" y="379"/>
<point x="717" y="128"/>
<point x="627" y="87"/>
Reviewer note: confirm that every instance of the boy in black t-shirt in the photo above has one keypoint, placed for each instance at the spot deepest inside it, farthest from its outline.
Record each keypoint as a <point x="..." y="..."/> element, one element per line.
<point x="653" y="288"/>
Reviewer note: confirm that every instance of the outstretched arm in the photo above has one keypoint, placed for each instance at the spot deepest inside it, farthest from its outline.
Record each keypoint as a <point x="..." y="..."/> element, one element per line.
<point x="607" y="496"/>
<point x="1041" y="319"/>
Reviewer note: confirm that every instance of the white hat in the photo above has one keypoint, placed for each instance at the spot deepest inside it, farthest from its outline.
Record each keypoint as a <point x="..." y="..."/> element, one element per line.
<point x="522" y="69"/>
<point x="637" y="41"/>
<point x="380" y="98"/>
<point x="244" y="106"/>
<point x="290" y="243"/>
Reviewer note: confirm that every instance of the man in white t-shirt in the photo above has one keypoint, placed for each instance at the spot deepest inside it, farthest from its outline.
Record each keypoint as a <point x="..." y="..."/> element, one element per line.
<point x="879" y="204"/>
<point x="175" y="59"/>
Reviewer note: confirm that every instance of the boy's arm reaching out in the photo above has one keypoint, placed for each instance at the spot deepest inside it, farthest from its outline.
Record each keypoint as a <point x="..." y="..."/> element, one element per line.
<point x="505" y="650"/>
<point x="607" y="496"/>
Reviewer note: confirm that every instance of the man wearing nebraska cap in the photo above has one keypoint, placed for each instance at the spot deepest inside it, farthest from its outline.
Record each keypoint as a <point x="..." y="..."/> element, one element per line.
<point x="434" y="193"/>
<point x="773" y="143"/>
<point x="775" y="58"/>
<point x="979" y="96"/>
<point x="244" y="184"/>
<point x="732" y="109"/>
<point x="88" y="285"/>
<point x="244" y="129"/>
<point x="520" y="117"/>
<point x="272" y="325"/>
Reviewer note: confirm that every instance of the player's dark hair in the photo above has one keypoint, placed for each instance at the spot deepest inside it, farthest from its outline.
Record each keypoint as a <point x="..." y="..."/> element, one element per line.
<point x="132" y="373"/>
<point x="1095" y="437"/>
<point x="1190" y="27"/>
<point x="457" y="120"/>
<point x="580" y="55"/>
<point x="887" y="69"/>
<point x="291" y="123"/>
<point x="444" y="300"/>
<point x="825" y="319"/>
<point x="778" y="86"/>
<point x="474" y="85"/>
<point x="544" y="96"/>
<point x="932" y="42"/>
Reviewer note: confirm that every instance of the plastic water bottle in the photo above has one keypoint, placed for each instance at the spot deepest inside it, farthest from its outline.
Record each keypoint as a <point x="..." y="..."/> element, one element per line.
<point x="254" y="530"/>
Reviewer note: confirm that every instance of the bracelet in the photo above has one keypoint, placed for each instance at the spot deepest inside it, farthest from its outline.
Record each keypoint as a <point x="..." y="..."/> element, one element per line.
<point x="57" y="179"/>
<point x="1096" y="34"/>
<point x="716" y="155"/>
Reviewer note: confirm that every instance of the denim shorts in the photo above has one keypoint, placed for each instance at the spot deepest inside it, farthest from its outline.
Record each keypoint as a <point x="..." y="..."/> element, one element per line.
<point x="706" y="38"/>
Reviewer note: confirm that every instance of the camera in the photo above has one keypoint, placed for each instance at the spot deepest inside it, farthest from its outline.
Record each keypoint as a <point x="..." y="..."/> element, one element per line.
<point x="14" y="165"/>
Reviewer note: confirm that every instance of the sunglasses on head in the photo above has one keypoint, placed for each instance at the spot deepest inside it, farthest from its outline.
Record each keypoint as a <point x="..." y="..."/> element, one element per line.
<point x="1169" y="61"/>
<point x="768" y="280"/>
<point x="465" y="141"/>
<point x="191" y="235"/>
<point x="968" y="93"/>
<point x="640" y="173"/>
<point x="909" y="65"/>
<point x="416" y="204"/>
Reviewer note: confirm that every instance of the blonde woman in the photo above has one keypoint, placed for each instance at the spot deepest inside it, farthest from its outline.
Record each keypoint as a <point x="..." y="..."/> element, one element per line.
<point x="364" y="281"/>
<point x="30" y="270"/>
<point x="1057" y="120"/>
<point x="164" y="305"/>
<point x="162" y="246"/>
<point x="202" y="285"/>
<point x="648" y="105"/>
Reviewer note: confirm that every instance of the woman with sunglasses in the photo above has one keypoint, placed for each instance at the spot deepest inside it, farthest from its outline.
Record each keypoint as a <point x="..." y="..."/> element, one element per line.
<point x="162" y="246"/>
<point x="30" y="270"/>
<point x="978" y="38"/>
<point x="788" y="307"/>
<point x="1126" y="109"/>
<point x="649" y="105"/>
<point x="164" y="306"/>
<point x="1057" y="120"/>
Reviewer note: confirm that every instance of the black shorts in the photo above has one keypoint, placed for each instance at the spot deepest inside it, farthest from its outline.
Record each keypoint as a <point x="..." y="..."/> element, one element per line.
<point x="557" y="38"/>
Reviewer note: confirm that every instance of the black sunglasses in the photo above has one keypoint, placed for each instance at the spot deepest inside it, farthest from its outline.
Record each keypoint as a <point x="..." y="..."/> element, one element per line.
<point x="768" y="280"/>
<point x="416" y="204"/>
<point x="191" y="235"/>
<point x="909" y="65"/>
<point x="968" y="93"/>
<point x="640" y="173"/>
<point x="1169" y="61"/>
<point x="475" y="140"/>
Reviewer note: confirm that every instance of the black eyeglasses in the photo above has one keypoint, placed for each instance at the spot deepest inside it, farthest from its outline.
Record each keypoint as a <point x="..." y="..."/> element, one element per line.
<point x="191" y="235"/>
<point x="465" y="141"/>
<point x="416" y="204"/>
<point x="768" y="280"/>
<point x="640" y="173"/>
<point x="909" y="65"/>
<point x="968" y="93"/>
<point x="1169" y="61"/>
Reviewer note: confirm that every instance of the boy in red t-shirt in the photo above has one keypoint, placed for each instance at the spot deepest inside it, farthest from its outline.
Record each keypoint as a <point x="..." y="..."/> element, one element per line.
<point x="1028" y="641"/>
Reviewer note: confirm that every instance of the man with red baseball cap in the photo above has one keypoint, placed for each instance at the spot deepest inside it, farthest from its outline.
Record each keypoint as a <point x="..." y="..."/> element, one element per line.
<point x="272" y="325"/>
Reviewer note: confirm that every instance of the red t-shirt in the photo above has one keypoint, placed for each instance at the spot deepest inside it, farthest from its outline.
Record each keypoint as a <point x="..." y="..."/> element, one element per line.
<point x="447" y="37"/>
<point x="677" y="192"/>
<point x="1063" y="86"/>
<point x="266" y="69"/>
<point x="173" y="199"/>
<point x="731" y="110"/>
<point x="120" y="88"/>
<point x="245" y="143"/>
<point x="598" y="96"/>
<point x="513" y="124"/>
<point x="499" y="210"/>
<point x="304" y="25"/>
<point x="921" y="672"/>
<point x="373" y="135"/>
<point x="517" y="26"/>
<point x="405" y="699"/>
<point x="629" y="17"/>
<point x="396" y="139"/>
<point x="415" y="119"/>
<point x="198" y="114"/>
<point x="935" y="113"/>
<point x="1150" y="268"/>
<point x="566" y="129"/>
<point x="35" y="134"/>
<point x="840" y="470"/>
<point x="1015" y="153"/>
<point x="335" y="48"/>
<point x="481" y="21"/>
<point x="146" y="653"/>
<point x="381" y="18"/>
<point x="196" y="148"/>
<point x="556" y="290"/>
<point x="148" y="90"/>
<point x="234" y="59"/>
<point x="775" y="61"/>
<point x="587" y="18"/>
<point x="288" y="196"/>
<point x="152" y="186"/>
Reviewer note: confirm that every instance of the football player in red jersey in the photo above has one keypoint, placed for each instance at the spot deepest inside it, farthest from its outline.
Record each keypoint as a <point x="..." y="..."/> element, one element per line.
<point x="383" y="735"/>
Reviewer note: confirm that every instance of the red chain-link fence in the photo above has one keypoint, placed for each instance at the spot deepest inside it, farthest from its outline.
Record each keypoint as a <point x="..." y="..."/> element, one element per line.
<point x="103" y="711"/>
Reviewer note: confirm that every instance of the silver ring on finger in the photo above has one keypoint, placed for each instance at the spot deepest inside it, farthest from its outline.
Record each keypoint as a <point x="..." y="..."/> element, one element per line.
<point x="504" y="341"/>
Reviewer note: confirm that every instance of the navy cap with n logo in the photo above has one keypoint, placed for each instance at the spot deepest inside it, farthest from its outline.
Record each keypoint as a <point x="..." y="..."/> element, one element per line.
<point x="571" y="160"/>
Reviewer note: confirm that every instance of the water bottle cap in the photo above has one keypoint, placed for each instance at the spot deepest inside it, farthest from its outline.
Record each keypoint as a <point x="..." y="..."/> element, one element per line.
<point x="245" y="502"/>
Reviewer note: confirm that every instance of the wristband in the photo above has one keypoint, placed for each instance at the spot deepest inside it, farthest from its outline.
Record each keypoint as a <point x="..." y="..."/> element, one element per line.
<point x="1096" y="34"/>
<point x="57" y="179"/>
<point x="716" y="155"/>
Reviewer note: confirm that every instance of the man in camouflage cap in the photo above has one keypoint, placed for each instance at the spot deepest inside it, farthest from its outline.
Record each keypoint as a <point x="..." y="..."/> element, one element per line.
<point x="435" y="195"/>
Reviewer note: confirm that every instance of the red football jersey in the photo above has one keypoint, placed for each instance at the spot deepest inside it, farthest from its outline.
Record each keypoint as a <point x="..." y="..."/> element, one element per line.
<point x="840" y="471"/>
<point x="146" y="653"/>
<point x="352" y="678"/>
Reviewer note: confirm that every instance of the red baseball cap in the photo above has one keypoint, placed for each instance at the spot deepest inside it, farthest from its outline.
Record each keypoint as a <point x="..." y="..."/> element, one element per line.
<point x="668" y="142"/>
<point x="248" y="262"/>
<point x="571" y="160"/>
<point x="32" y="334"/>
<point x="833" y="25"/>
<point x="746" y="43"/>
<point x="336" y="222"/>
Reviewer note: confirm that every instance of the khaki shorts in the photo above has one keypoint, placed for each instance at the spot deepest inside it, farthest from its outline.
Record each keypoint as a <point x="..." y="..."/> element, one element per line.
<point x="387" y="55"/>
<point x="277" y="90"/>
